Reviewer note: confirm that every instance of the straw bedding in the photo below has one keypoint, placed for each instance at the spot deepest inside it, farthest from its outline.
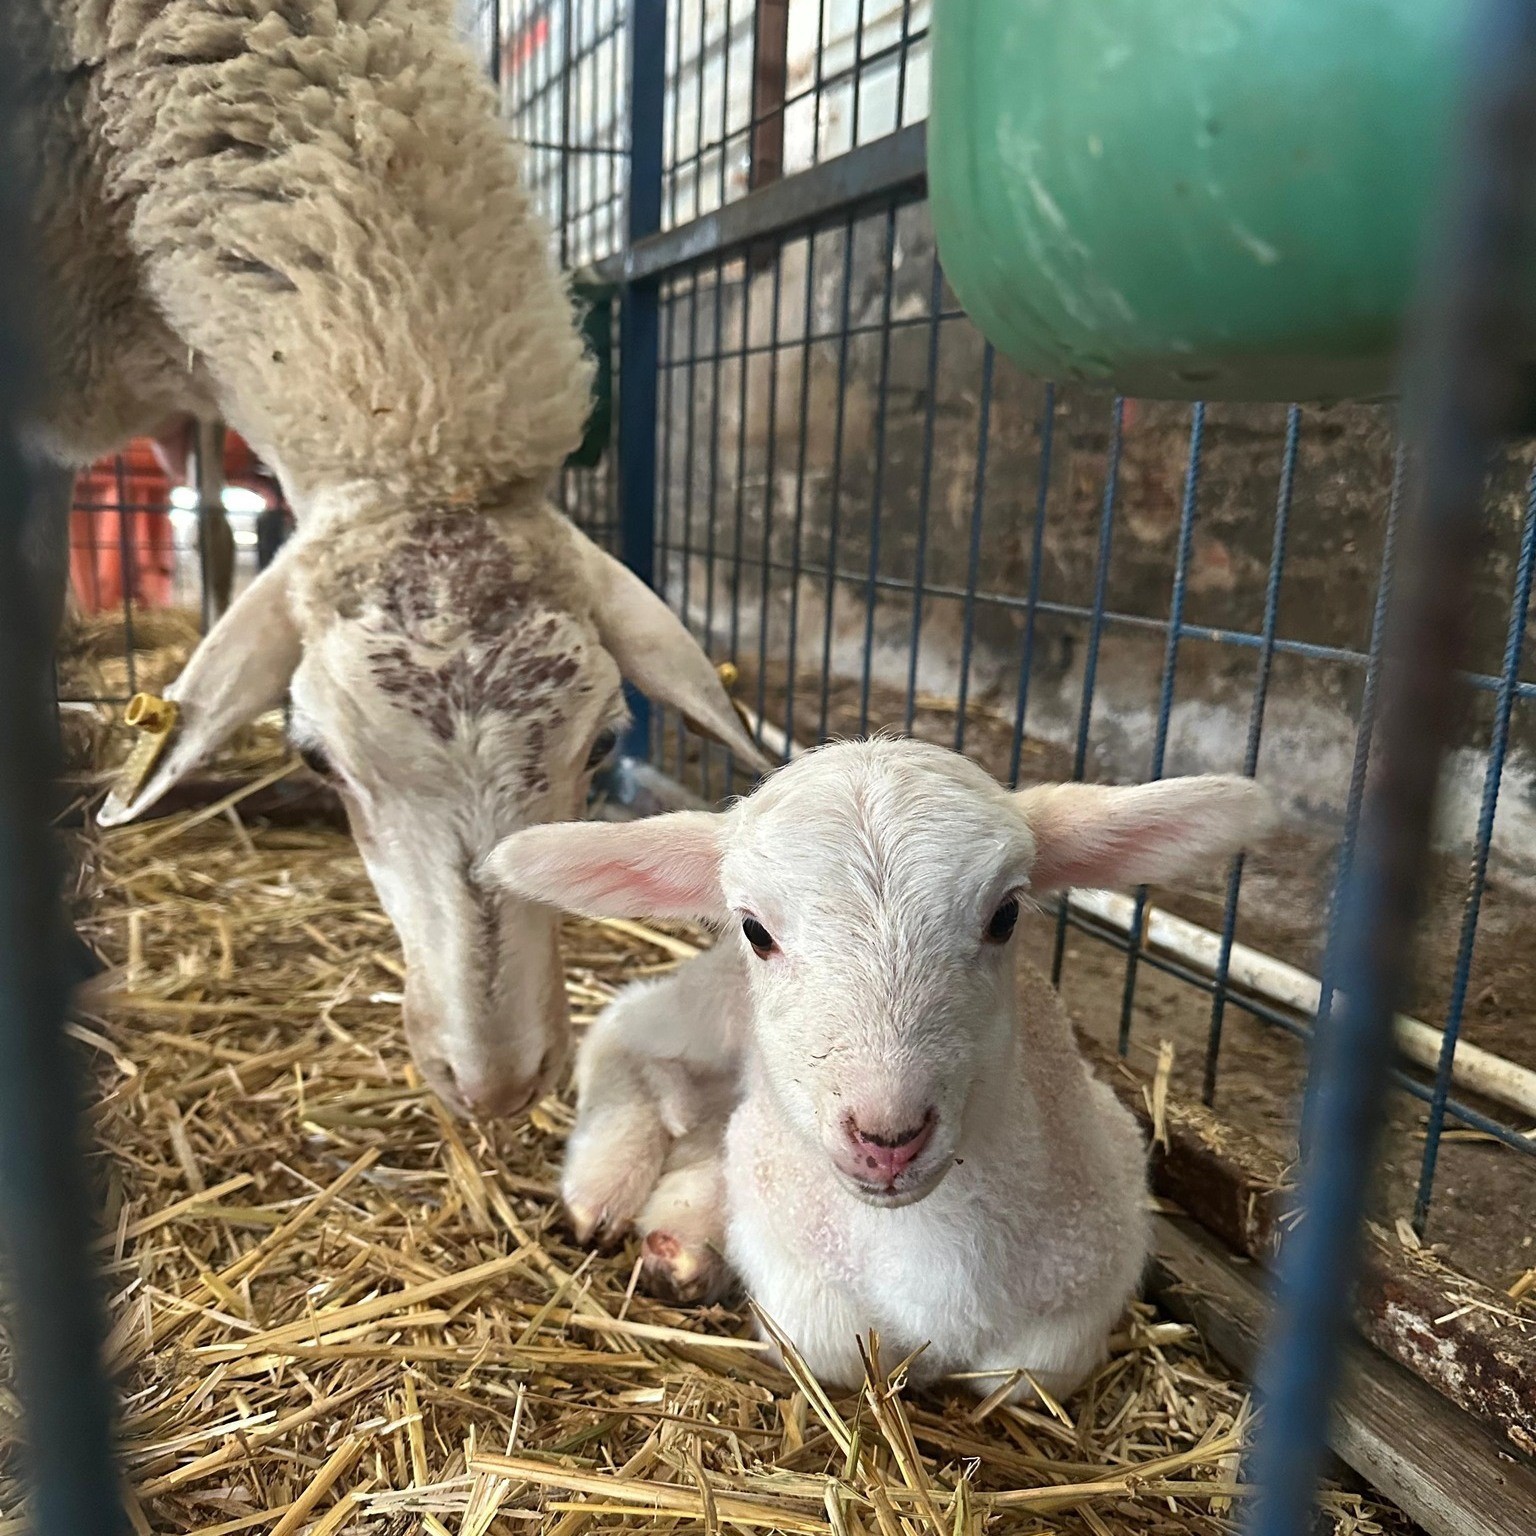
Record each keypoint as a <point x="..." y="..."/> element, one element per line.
<point x="335" y="1310"/>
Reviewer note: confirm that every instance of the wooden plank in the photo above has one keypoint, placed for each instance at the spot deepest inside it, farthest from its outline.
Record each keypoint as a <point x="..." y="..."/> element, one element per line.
<point x="770" y="75"/>
<point x="1438" y="1465"/>
<point x="1455" y="1334"/>
<point x="1232" y="1184"/>
<point x="1448" y="1329"/>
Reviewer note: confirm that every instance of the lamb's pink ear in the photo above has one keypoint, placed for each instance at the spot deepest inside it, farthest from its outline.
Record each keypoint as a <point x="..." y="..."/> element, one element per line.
<point x="241" y="669"/>
<point x="660" y="866"/>
<point x="657" y="654"/>
<point x="1096" y="836"/>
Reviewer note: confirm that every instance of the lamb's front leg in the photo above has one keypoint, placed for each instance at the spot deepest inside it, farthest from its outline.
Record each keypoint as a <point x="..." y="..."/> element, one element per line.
<point x="658" y="1066"/>
<point x="683" y="1223"/>
<point x="1059" y="1352"/>
<point x="618" y="1146"/>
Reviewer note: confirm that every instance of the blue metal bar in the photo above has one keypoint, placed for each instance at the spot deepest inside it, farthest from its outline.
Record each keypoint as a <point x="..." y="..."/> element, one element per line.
<point x="698" y="116"/>
<point x="674" y="112"/>
<point x="973" y="561"/>
<point x="1468" y="388"/>
<point x="615" y="193"/>
<point x="127" y="565"/>
<point x="1165" y="699"/>
<point x="741" y="489"/>
<point x="770" y="455"/>
<point x="639" y="316"/>
<point x="873" y="328"/>
<point x="567" y="19"/>
<point x="54" y="1313"/>
<point x="818" y="81"/>
<point x="690" y="407"/>
<point x="1095" y="632"/>
<point x="1032" y="601"/>
<point x="865" y="63"/>
<point x="1358" y="768"/>
<point x="726" y="51"/>
<point x="924" y="495"/>
<point x="792" y="644"/>
<point x="1255" y="734"/>
<point x="877" y="492"/>
<point x="901" y="63"/>
<point x="713" y="493"/>
<point x="835" y="510"/>
<point x="1304" y="650"/>
<point x="662" y="543"/>
<point x="1514" y="647"/>
<point x="857" y="73"/>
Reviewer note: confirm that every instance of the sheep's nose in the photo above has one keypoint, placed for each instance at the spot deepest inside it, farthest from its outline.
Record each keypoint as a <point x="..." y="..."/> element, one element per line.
<point x="879" y="1156"/>
<point x="492" y="1095"/>
<point x="497" y="1098"/>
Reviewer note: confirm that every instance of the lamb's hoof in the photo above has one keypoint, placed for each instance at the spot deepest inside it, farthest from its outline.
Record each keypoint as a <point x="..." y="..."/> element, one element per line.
<point x="596" y="1228"/>
<point x="678" y="1271"/>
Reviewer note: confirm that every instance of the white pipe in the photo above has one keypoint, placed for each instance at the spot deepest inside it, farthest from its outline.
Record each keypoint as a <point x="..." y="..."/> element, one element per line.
<point x="1473" y="1068"/>
<point x="772" y="738"/>
<point x="1479" y="1071"/>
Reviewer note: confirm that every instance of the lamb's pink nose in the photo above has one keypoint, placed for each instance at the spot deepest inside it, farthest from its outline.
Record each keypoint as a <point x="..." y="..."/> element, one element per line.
<point x="880" y="1156"/>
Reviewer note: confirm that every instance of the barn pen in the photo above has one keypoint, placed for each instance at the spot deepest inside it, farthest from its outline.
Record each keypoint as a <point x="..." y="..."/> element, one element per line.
<point x="330" y="1307"/>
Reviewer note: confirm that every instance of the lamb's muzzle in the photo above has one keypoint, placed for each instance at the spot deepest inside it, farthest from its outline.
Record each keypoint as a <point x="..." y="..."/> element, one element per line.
<point x="877" y="1163"/>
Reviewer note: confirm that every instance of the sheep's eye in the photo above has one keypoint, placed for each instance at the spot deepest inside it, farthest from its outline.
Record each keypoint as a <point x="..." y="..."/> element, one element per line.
<point x="758" y="937"/>
<point x="1000" y="928"/>
<point x="316" y="761"/>
<point x="603" y="748"/>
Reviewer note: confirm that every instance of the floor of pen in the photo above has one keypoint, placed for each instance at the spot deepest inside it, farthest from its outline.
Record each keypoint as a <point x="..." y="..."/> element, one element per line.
<point x="335" y="1308"/>
<point x="332" y="1306"/>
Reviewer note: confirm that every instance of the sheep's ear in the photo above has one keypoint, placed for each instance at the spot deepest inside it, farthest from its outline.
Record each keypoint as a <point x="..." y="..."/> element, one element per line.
<point x="661" y="866"/>
<point x="241" y="668"/>
<point x="1095" y="836"/>
<point x="657" y="654"/>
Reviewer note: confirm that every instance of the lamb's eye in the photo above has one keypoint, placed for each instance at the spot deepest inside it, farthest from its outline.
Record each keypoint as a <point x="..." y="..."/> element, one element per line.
<point x="1000" y="928"/>
<point x="603" y="748"/>
<point x="316" y="761"/>
<point x="758" y="937"/>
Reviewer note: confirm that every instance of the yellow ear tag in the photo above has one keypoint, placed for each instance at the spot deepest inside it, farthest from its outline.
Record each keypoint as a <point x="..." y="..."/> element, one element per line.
<point x="729" y="676"/>
<point x="155" y="719"/>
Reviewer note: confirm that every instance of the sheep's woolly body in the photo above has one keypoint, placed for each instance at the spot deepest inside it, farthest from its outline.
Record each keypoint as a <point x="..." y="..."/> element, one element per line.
<point x="311" y="213"/>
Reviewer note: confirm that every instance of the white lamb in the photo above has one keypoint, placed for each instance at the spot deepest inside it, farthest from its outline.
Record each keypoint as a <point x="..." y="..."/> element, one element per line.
<point x="306" y="217"/>
<point x="914" y="1143"/>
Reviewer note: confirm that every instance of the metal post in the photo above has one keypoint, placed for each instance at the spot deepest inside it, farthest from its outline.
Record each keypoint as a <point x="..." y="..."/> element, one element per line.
<point x="215" y="540"/>
<point x="1469" y="386"/>
<point x="640" y="314"/>
<point x="53" y="1307"/>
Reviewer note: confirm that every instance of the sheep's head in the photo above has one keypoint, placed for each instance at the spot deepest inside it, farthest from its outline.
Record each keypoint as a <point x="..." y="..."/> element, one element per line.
<point x="873" y="888"/>
<point x="457" y="676"/>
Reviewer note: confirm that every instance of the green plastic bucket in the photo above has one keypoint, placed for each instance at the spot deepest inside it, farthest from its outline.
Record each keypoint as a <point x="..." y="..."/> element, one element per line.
<point x="1217" y="199"/>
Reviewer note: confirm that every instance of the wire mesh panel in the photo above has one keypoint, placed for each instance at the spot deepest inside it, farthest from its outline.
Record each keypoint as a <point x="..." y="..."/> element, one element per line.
<point x="884" y="524"/>
<point x="563" y="73"/>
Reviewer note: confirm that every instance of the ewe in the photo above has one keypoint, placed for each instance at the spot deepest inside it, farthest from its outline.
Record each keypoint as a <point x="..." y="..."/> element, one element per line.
<point x="307" y="218"/>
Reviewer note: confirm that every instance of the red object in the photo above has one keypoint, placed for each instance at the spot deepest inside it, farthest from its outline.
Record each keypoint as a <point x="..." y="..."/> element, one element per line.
<point x="526" y="41"/>
<point x="122" y="505"/>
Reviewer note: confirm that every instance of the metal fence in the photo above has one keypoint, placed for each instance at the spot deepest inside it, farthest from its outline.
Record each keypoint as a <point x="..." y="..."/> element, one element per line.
<point x="845" y="492"/>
